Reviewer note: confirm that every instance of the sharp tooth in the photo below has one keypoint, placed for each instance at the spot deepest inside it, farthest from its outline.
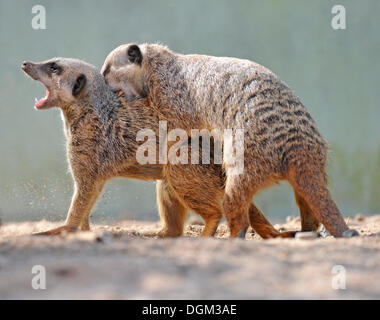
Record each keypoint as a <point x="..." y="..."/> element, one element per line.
<point x="35" y="100"/>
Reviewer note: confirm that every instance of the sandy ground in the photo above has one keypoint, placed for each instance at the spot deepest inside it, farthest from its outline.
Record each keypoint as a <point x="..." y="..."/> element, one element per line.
<point x="116" y="262"/>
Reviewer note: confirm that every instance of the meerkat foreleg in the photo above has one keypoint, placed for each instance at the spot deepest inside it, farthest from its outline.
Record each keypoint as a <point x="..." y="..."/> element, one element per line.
<point x="85" y="196"/>
<point x="85" y="222"/>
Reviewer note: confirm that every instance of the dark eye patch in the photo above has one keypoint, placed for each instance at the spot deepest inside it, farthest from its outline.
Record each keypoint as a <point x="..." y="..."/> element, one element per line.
<point x="54" y="68"/>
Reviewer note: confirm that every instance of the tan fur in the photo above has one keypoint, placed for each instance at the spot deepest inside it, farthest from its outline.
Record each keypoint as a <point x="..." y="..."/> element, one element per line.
<point x="281" y="141"/>
<point x="101" y="128"/>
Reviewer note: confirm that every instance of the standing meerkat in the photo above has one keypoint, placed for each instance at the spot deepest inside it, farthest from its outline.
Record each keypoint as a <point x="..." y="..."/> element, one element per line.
<point x="101" y="128"/>
<point x="281" y="140"/>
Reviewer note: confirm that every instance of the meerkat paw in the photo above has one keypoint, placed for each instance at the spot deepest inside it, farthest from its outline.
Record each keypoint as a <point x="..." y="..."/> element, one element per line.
<point x="161" y="233"/>
<point x="164" y="233"/>
<point x="57" y="231"/>
<point x="85" y="227"/>
<point x="287" y="234"/>
<point x="307" y="235"/>
<point x="148" y="233"/>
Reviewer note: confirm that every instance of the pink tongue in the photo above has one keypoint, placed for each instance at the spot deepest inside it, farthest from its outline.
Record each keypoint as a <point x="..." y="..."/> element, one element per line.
<point x="40" y="102"/>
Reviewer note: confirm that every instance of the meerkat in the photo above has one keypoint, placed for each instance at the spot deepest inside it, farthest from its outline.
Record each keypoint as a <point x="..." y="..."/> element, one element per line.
<point x="101" y="126"/>
<point x="281" y="140"/>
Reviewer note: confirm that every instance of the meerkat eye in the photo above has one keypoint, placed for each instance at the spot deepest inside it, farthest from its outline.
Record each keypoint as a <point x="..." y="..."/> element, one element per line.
<point x="54" y="68"/>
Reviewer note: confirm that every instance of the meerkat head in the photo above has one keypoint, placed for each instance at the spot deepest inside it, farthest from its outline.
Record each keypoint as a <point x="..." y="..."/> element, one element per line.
<point x="66" y="81"/>
<point x="123" y="69"/>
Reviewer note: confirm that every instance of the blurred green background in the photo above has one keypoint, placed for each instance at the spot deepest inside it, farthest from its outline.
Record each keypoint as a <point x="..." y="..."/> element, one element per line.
<point x="334" y="72"/>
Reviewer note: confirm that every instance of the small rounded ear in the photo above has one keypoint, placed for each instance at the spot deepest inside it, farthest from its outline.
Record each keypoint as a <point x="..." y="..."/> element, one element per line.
<point x="79" y="84"/>
<point x="134" y="54"/>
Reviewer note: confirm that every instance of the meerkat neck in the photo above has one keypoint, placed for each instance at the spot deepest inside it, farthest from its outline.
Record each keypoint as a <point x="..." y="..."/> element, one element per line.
<point x="153" y="53"/>
<point x="73" y="116"/>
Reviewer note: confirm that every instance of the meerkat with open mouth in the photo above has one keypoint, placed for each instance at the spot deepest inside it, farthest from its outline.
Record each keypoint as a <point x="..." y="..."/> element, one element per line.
<point x="101" y="128"/>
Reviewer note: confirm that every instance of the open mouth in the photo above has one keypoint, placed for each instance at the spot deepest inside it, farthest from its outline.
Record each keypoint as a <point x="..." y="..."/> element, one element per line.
<point x="39" y="104"/>
<point x="29" y="69"/>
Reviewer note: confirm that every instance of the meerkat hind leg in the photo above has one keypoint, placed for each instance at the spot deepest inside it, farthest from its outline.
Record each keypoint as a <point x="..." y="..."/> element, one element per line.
<point x="172" y="212"/>
<point x="236" y="203"/>
<point x="263" y="227"/>
<point x="308" y="220"/>
<point x="211" y="225"/>
<point x="208" y="207"/>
